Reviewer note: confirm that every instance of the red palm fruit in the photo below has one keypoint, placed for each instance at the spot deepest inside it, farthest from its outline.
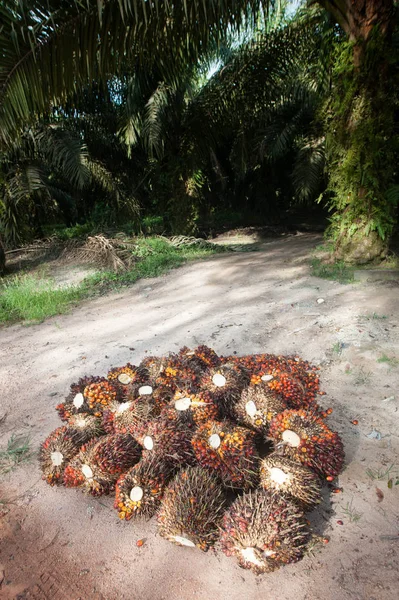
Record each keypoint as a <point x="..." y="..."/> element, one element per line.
<point x="191" y="509"/>
<point x="100" y="395"/>
<point x="290" y="479"/>
<point x="139" y="491"/>
<point x="305" y="437"/>
<point x="99" y="463"/>
<point x="129" y="416"/>
<point x="229" y="451"/>
<point x="201" y="358"/>
<point x="75" y="402"/>
<point x="264" y="531"/>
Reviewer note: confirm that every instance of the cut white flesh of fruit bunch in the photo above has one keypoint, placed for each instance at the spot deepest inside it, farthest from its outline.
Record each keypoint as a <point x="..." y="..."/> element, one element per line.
<point x="145" y="390"/>
<point x="136" y="494"/>
<point x="278" y="476"/>
<point x="124" y="378"/>
<point x="214" y="441"/>
<point x="291" y="438"/>
<point x="148" y="442"/>
<point x="219" y="380"/>
<point x="57" y="458"/>
<point x="250" y="408"/>
<point x="184" y="541"/>
<point x="267" y="377"/>
<point x="78" y="400"/>
<point x="250" y="556"/>
<point x="87" y="471"/>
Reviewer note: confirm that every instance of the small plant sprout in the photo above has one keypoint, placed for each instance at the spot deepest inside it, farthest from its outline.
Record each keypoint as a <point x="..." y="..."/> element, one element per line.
<point x="351" y="513"/>
<point x="17" y="451"/>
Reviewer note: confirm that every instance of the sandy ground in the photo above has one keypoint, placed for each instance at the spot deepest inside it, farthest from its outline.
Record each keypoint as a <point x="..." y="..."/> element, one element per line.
<point x="62" y="544"/>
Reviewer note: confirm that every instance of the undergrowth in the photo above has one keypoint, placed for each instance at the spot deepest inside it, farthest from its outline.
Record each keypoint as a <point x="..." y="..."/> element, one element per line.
<point x="31" y="297"/>
<point x="337" y="271"/>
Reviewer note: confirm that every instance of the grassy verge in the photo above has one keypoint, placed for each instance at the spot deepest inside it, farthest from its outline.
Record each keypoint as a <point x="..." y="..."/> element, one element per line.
<point x="30" y="297"/>
<point x="337" y="271"/>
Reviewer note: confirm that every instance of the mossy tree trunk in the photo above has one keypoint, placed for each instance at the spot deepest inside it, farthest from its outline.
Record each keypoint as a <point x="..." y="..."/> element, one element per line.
<point x="360" y="131"/>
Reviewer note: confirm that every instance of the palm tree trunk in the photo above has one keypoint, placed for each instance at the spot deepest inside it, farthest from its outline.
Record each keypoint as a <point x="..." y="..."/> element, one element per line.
<point x="360" y="127"/>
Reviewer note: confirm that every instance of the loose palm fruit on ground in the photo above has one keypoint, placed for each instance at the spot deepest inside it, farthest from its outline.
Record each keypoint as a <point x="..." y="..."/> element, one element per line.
<point x="191" y="509"/>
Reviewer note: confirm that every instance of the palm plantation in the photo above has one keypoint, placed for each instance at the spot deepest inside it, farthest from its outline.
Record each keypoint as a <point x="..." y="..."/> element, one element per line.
<point x="189" y="110"/>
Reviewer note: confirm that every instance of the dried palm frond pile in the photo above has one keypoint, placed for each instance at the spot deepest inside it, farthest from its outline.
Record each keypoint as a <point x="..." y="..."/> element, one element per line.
<point x="229" y="449"/>
<point x="99" y="250"/>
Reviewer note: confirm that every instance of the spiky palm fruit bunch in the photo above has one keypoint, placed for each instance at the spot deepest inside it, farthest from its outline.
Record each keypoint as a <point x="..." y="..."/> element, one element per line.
<point x="291" y="479"/>
<point x="257" y="406"/>
<point x="55" y="453"/>
<point x="191" y="509"/>
<point x="306" y="438"/>
<point x="225" y="384"/>
<point x="190" y="408"/>
<point x="139" y="491"/>
<point x="264" y="531"/>
<point x="85" y="427"/>
<point x="169" y="439"/>
<point x="75" y="402"/>
<point x="229" y="451"/>
<point x="129" y="417"/>
<point x="151" y="367"/>
<point x="201" y="357"/>
<point x="293" y="378"/>
<point x="100" y="462"/>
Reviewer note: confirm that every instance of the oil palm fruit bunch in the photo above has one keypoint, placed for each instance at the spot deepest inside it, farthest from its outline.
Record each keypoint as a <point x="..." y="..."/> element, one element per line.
<point x="139" y="491"/>
<point x="129" y="416"/>
<point x="191" y="509"/>
<point x="201" y="357"/>
<point x="264" y="530"/>
<point x="169" y="439"/>
<point x="228" y="450"/>
<point x="101" y="394"/>
<point x="305" y="437"/>
<point x="151" y="367"/>
<point x="290" y="479"/>
<point x="190" y="408"/>
<point x="76" y="402"/>
<point x="100" y="462"/>
<point x="85" y="427"/>
<point x="224" y="384"/>
<point x="291" y="377"/>
<point x="125" y="375"/>
<point x="55" y="453"/>
<point x="257" y="406"/>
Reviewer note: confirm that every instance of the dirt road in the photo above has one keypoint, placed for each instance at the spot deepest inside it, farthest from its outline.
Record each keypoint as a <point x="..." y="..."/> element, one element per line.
<point x="60" y="544"/>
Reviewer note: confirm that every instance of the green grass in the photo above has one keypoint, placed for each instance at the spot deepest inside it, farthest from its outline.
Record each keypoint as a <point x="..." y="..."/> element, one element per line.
<point x="17" y="451"/>
<point x="31" y="297"/>
<point x="392" y="361"/>
<point x="337" y="271"/>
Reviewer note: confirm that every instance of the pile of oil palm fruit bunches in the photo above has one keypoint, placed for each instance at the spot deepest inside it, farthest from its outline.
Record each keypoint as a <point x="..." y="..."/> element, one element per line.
<point x="231" y="451"/>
